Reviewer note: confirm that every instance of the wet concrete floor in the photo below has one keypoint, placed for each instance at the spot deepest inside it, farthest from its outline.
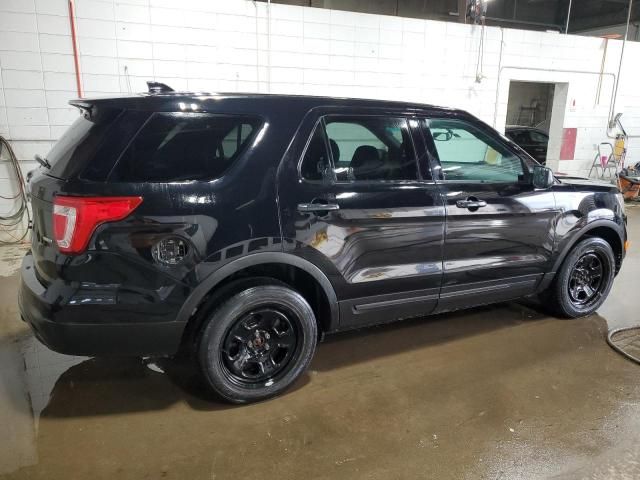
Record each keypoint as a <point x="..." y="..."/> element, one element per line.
<point x="501" y="392"/>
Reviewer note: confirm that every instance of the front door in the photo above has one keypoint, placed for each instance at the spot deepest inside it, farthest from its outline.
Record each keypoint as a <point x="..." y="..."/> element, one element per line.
<point x="500" y="229"/>
<point x="362" y="205"/>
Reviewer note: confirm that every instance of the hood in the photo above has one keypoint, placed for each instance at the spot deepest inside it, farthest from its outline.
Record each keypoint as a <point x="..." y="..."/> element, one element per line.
<point x="587" y="183"/>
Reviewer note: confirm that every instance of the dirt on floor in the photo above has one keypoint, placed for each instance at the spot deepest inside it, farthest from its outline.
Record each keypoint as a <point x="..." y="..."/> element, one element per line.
<point x="501" y="392"/>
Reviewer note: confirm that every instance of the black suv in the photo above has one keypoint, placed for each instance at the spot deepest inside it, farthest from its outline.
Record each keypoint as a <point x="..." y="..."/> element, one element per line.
<point x="532" y="140"/>
<point x="243" y="227"/>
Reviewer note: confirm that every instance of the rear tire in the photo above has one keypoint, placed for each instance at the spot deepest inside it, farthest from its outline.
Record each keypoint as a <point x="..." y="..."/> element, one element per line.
<point x="257" y="343"/>
<point x="584" y="279"/>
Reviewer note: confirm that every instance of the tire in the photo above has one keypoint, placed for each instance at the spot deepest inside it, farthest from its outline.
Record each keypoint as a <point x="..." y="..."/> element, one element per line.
<point x="257" y="343"/>
<point x="189" y="344"/>
<point x="577" y="289"/>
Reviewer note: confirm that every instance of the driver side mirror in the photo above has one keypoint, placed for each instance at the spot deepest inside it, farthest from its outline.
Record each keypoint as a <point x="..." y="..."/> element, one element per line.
<point x="542" y="177"/>
<point x="442" y="136"/>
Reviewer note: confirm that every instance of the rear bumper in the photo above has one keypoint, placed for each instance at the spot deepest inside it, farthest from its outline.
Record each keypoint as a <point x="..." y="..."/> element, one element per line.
<point x="44" y="311"/>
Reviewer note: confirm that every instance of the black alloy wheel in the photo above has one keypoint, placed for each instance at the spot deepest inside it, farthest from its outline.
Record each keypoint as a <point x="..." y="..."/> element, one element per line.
<point x="258" y="346"/>
<point x="584" y="279"/>
<point x="257" y="343"/>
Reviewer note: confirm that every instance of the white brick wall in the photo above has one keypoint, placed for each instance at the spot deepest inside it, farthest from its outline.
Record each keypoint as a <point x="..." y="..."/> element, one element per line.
<point x="222" y="45"/>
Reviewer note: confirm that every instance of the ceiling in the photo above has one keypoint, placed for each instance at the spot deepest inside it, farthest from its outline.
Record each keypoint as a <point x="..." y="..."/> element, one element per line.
<point x="527" y="14"/>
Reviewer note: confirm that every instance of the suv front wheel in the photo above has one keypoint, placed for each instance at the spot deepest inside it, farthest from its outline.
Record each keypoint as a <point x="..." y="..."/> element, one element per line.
<point x="584" y="280"/>
<point x="257" y="343"/>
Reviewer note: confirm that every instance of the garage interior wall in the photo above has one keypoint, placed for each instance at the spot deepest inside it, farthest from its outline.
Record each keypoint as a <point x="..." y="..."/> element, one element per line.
<point x="238" y="45"/>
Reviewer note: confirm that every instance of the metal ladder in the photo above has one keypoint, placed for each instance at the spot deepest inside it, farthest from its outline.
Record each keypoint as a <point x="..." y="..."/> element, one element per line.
<point x="605" y="160"/>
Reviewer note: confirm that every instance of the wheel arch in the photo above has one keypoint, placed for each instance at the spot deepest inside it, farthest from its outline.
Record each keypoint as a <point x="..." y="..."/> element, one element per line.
<point x="609" y="231"/>
<point x="253" y="265"/>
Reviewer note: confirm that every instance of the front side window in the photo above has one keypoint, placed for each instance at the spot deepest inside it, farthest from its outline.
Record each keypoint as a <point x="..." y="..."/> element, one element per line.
<point x="185" y="146"/>
<point x="467" y="153"/>
<point x="538" y="137"/>
<point x="521" y="138"/>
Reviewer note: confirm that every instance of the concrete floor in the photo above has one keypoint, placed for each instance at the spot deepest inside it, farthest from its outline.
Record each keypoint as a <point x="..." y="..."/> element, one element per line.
<point x="502" y="392"/>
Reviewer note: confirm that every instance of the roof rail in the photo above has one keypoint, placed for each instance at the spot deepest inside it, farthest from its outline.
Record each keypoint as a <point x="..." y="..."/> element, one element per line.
<point x="157" y="87"/>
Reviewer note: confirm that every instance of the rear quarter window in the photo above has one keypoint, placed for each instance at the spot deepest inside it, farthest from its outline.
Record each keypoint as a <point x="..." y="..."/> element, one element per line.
<point x="174" y="147"/>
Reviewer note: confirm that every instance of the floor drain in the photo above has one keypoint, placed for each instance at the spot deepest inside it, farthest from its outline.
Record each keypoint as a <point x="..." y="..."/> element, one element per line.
<point x="626" y="341"/>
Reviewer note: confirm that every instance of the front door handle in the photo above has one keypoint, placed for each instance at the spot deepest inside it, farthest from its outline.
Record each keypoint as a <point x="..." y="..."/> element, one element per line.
<point x="318" y="207"/>
<point x="471" y="203"/>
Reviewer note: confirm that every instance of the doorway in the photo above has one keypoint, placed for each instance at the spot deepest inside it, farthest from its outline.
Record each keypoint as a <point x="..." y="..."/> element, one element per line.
<point x="529" y="112"/>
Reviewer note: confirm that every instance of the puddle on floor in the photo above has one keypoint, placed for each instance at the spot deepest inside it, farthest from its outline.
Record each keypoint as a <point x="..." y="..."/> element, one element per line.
<point x="11" y="258"/>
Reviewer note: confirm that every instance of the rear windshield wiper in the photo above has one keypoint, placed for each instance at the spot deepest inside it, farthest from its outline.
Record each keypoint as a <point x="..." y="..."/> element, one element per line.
<point x="43" y="161"/>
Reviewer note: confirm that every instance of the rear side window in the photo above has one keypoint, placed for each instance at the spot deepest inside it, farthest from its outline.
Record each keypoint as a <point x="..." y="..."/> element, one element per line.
<point x="316" y="165"/>
<point x="366" y="148"/>
<point x="175" y="147"/>
<point x="371" y="148"/>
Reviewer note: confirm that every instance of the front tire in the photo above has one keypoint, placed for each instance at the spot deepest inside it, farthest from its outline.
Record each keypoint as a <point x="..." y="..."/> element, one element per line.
<point x="257" y="343"/>
<point x="584" y="279"/>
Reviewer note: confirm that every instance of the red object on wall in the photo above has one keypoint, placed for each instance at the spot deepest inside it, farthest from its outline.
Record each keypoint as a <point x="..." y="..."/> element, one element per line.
<point x="568" y="148"/>
<point x="74" y="44"/>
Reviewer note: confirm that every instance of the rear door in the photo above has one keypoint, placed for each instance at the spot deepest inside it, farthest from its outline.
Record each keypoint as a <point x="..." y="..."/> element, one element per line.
<point x="500" y="229"/>
<point x="362" y="205"/>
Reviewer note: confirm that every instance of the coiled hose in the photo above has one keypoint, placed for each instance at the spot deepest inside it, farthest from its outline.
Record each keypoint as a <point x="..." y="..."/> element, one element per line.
<point x="616" y="347"/>
<point x="12" y="223"/>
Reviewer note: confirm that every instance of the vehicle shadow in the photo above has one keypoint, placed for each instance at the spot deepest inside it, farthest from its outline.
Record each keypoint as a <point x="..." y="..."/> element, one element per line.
<point x="363" y="345"/>
<point x="111" y="386"/>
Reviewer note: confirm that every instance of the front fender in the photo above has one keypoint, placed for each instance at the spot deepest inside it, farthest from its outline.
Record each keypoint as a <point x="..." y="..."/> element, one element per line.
<point x="576" y="234"/>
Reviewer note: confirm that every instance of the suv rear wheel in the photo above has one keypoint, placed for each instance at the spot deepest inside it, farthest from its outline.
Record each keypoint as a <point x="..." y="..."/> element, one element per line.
<point x="257" y="343"/>
<point x="584" y="280"/>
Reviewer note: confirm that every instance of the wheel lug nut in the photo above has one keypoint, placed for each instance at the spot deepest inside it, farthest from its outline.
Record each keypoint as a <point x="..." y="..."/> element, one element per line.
<point x="266" y="347"/>
<point x="267" y="336"/>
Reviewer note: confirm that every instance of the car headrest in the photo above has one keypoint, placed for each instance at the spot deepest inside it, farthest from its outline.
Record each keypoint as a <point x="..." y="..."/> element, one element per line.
<point x="366" y="163"/>
<point x="315" y="160"/>
<point x="335" y="150"/>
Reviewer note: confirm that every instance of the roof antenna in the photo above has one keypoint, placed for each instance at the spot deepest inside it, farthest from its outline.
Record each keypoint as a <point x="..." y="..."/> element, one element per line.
<point x="157" y="87"/>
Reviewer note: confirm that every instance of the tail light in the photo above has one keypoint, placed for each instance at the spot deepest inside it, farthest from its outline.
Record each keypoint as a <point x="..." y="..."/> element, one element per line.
<point x="76" y="218"/>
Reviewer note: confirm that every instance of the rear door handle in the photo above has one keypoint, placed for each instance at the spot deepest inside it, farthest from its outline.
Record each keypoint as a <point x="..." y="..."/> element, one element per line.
<point x="318" y="207"/>
<point x="471" y="203"/>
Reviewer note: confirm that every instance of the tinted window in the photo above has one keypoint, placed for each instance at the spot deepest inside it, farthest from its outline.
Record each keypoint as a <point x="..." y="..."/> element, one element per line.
<point x="467" y="153"/>
<point x="315" y="164"/>
<point x="79" y="143"/>
<point x="236" y="137"/>
<point x="185" y="146"/>
<point x="538" y="137"/>
<point x="371" y="148"/>
<point x="521" y="138"/>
